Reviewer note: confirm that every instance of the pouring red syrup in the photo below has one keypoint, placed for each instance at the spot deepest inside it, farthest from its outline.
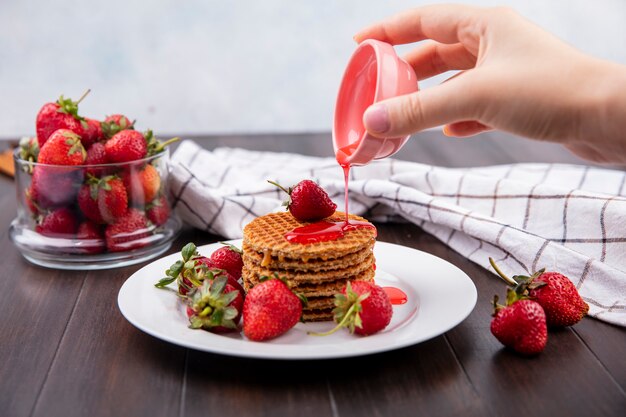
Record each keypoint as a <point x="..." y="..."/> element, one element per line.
<point x="326" y="230"/>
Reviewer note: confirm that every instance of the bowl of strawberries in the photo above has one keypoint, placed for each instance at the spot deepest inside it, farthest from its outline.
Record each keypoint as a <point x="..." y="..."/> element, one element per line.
<point x="91" y="194"/>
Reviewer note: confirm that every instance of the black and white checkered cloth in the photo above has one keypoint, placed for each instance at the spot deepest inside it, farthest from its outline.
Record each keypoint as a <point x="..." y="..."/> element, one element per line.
<point x="567" y="218"/>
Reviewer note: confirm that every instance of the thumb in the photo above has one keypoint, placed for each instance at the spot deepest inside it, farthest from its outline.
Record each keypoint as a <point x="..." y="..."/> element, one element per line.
<point x="443" y="104"/>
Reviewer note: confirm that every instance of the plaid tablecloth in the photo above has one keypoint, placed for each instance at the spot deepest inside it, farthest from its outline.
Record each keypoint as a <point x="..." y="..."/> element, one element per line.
<point x="567" y="218"/>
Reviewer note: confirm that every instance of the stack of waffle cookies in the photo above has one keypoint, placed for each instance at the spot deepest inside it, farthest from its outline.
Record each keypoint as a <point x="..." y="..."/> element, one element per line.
<point x="317" y="270"/>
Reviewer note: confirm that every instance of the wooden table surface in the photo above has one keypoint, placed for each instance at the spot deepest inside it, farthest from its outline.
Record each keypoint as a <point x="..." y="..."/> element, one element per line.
<point x="65" y="349"/>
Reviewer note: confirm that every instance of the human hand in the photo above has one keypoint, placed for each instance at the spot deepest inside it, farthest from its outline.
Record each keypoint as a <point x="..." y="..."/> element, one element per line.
<point x="515" y="77"/>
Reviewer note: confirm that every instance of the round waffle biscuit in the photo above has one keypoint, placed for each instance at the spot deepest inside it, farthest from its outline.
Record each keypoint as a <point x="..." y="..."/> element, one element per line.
<point x="311" y="289"/>
<point x="266" y="234"/>
<point x="317" y="264"/>
<point x="314" y="276"/>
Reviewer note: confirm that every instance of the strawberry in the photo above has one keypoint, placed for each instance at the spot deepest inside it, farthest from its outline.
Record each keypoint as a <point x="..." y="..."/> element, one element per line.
<point x="557" y="295"/>
<point x="115" y="123"/>
<point x="33" y="207"/>
<point x="308" y="201"/>
<point x="112" y="198"/>
<point x="143" y="185"/>
<point x="155" y="146"/>
<point x="215" y="306"/>
<point x="520" y="325"/>
<point x="228" y="257"/>
<point x="90" y="238"/>
<point x="53" y="186"/>
<point x="363" y="307"/>
<point x="63" y="147"/>
<point x="269" y="310"/>
<point x="88" y="201"/>
<point x="190" y="272"/>
<point x="91" y="133"/>
<point x="96" y="155"/>
<point x="158" y="211"/>
<point x="63" y="114"/>
<point x="29" y="150"/>
<point x="130" y="232"/>
<point x="58" y="223"/>
<point x="125" y="146"/>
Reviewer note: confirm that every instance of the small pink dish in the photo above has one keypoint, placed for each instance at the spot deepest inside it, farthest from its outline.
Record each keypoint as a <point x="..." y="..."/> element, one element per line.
<point x="374" y="73"/>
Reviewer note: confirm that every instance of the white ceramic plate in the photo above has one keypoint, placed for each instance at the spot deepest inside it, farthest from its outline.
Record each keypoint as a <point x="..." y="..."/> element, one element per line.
<point x="440" y="296"/>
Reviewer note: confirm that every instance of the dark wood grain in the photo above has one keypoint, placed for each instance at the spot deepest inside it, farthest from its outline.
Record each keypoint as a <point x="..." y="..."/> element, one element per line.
<point x="65" y="350"/>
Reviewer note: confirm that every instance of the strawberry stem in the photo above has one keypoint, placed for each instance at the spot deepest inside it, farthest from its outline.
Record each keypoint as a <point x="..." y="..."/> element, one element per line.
<point x="279" y="186"/>
<point x="83" y="96"/>
<point x="162" y="145"/>
<point x="502" y="274"/>
<point x="341" y="324"/>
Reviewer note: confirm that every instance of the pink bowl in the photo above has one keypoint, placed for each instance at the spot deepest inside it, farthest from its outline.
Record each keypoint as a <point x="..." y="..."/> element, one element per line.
<point x="374" y="73"/>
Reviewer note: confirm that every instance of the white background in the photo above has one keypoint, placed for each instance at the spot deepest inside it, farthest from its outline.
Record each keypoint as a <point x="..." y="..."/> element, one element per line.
<point x="206" y="66"/>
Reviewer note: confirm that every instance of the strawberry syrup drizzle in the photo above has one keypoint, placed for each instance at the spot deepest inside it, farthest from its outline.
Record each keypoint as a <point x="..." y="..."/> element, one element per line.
<point x="396" y="295"/>
<point x="325" y="230"/>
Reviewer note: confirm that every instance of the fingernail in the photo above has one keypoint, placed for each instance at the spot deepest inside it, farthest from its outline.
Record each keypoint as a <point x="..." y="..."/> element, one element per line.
<point x="376" y="119"/>
<point x="446" y="131"/>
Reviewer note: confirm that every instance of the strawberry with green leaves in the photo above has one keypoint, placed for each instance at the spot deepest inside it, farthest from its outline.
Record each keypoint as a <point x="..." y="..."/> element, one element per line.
<point x="112" y="198"/>
<point x="270" y="310"/>
<point x="62" y="114"/>
<point x="557" y="295"/>
<point x="61" y="222"/>
<point x="229" y="257"/>
<point x="131" y="145"/>
<point x="158" y="211"/>
<point x="63" y="147"/>
<point x="114" y="124"/>
<point x="520" y="325"/>
<point x="215" y="305"/>
<point x="362" y="307"/>
<point x="129" y="232"/>
<point x="191" y="271"/>
<point x="308" y="201"/>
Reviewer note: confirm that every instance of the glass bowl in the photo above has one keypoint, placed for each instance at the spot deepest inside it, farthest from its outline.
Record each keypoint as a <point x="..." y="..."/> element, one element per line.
<point x="93" y="216"/>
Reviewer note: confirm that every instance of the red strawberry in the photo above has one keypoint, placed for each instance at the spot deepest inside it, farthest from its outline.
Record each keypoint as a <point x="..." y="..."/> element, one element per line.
<point x="229" y="258"/>
<point x="212" y="266"/>
<point x="143" y="185"/>
<point x="115" y="123"/>
<point x="90" y="238"/>
<point x="58" y="223"/>
<point x="53" y="186"/>
<point x="63" y="114"/>
<point x="557" y="295"/>
<point x="88" y="201"/>
<point x="521" y="325"/>
<point x="363" y="307"/>
<point x="112" y="198"/>
<point x="269" y="310"/>
<point x="130" y="232"/>
<point x="92" y="132"/>
<point x="63" y="147"/>
<point x="96" y="155"/>
<point x="215" y="306"/>
<point x="559" y="299"/>
<point x="125" y="146"/>
<point x="308" y="201"/>
<point x="191" y="271"/>
<point x="33" y="208"/>
<point x="158" y="212"/>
